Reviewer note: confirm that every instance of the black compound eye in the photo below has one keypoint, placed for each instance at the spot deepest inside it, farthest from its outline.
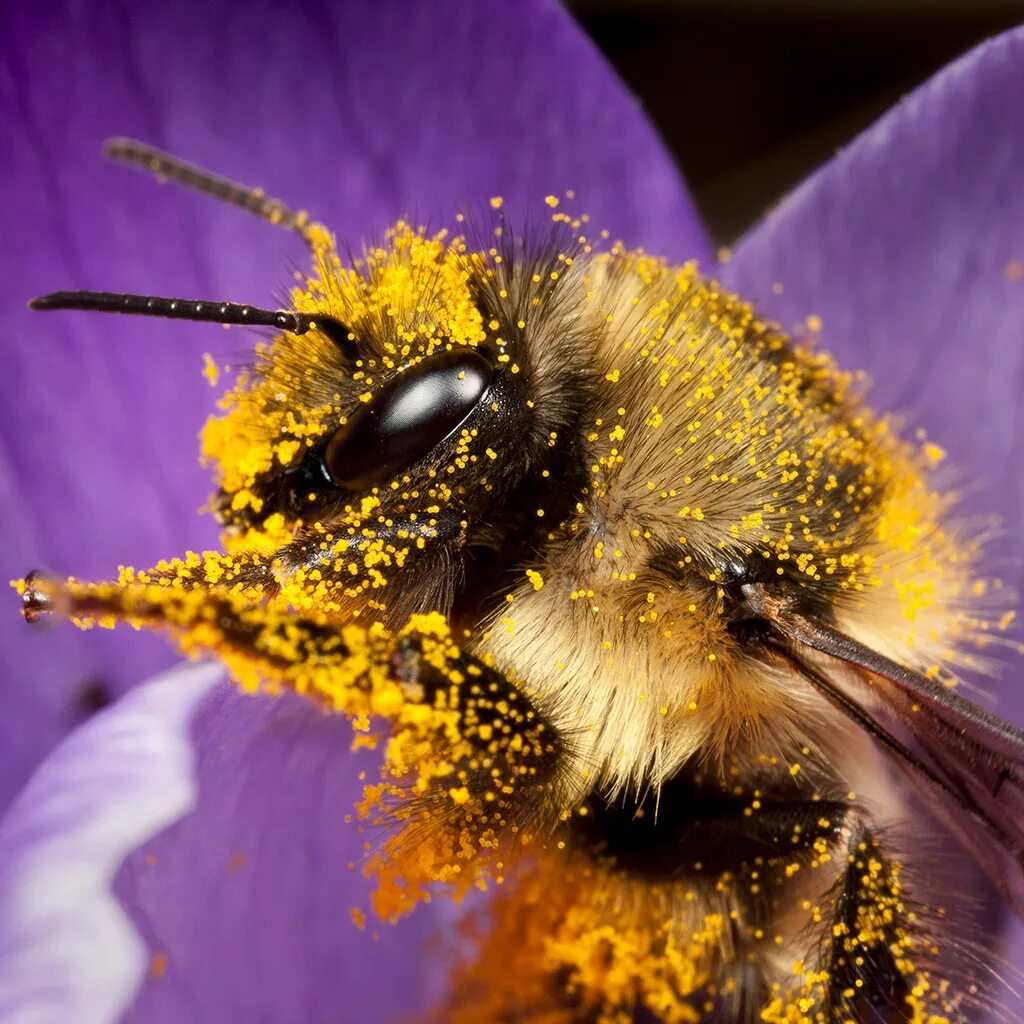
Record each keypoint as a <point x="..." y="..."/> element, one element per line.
<point x="405" y="420"/>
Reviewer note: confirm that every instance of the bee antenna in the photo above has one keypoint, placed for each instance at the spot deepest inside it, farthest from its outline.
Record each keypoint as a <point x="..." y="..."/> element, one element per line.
<point x="170" y="168"/>
<point x="209" y="312"/>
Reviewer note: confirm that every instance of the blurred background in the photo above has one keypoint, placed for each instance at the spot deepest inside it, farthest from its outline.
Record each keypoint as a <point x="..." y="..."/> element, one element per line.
<point x="751" y="95"/>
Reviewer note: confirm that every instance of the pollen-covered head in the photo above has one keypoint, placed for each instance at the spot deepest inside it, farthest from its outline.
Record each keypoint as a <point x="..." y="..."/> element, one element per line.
<point x="350" y="459"/>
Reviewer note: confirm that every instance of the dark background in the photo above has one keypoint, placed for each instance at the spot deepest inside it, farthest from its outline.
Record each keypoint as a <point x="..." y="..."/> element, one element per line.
<point x="751" y="95"/>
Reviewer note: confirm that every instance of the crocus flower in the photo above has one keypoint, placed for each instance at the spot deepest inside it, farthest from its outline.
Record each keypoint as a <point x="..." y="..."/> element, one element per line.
<point x="183" y="855"/>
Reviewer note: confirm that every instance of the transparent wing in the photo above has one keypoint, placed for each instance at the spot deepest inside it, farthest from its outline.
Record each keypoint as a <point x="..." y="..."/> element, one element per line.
<point x="969" y="758"/>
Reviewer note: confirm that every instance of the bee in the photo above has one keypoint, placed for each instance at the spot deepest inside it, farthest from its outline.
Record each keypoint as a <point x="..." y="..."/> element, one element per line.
<point x="657" y="625"/>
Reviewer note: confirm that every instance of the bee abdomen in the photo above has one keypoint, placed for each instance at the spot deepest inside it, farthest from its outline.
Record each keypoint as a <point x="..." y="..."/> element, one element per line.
<point x="696" y="830"/>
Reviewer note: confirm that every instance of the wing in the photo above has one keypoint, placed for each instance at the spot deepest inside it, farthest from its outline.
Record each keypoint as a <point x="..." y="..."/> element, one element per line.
<point x="968" y="757"/>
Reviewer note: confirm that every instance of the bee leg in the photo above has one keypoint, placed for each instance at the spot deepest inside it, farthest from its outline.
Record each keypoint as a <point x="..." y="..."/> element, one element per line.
<point x="870" y="962"/>
<point x="266" y="641"/>
<point x="868" y="959"/>
<point x="874" y="941"/>
<point x="469" y="763"/>
<point x="467" y="728"/>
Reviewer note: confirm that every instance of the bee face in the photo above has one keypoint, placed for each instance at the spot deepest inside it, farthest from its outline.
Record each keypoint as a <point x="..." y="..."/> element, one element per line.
<point x="639" y="586"/>
<point x="386" y="477"/>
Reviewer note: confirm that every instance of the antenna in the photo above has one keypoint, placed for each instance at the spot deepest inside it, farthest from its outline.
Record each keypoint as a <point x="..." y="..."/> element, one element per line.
<point x="170" y="168"/>
<point x="210" y="312"/>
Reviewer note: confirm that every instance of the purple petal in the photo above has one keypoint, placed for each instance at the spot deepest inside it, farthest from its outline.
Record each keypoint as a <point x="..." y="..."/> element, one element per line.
<point x="67" y="951"/>
<point x="245" y="904"/>
<point x="909" y="246"/>
<point x="240" y="910"/>
<point x="360" y="112"/>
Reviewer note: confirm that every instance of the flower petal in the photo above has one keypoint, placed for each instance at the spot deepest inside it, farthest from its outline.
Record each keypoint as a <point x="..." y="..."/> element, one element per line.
<point x="67" y="951"/>
<point x="245" y="903"/>
<point x="360" y="112"/>
<point x="240" y="909"/>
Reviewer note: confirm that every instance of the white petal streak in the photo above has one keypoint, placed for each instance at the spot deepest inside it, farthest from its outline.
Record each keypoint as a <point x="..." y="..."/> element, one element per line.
<point x="67" y="950"/>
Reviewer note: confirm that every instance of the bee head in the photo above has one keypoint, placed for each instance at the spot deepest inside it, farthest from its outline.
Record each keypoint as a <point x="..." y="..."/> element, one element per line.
<point x="366" y="460"/>
<point x="376" y="460"/>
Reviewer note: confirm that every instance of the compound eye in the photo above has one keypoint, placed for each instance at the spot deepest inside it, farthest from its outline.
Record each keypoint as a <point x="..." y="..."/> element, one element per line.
<point x="405" y="420"/>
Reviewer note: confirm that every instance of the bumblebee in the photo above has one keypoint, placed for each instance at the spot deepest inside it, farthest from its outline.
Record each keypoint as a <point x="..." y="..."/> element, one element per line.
<point x="657" y="626"/>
